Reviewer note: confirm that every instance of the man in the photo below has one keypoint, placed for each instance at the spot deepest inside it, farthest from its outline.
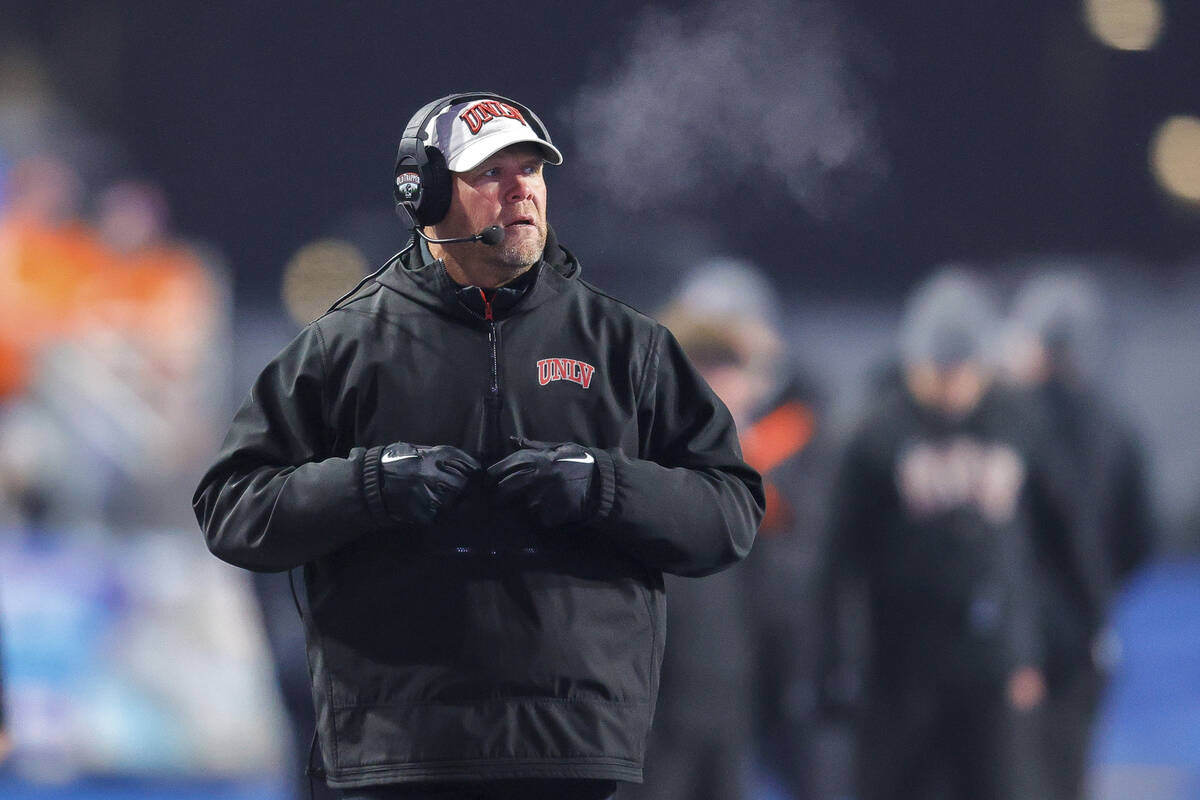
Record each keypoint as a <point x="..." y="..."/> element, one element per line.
<point x="484" y="466"/>
<point x="700" y="750"/>
<point x="932" y="511"/>
<point x="1100" y="477"/>
<point x="745" y="639"/>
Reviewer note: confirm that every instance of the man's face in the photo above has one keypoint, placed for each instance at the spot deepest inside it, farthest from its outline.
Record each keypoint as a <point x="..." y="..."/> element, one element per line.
<point x="507" y="189"/>
<point x="953" y="391"/>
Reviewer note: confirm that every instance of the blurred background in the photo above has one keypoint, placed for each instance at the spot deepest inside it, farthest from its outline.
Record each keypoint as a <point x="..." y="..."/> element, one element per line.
<point x="184" y="185"/>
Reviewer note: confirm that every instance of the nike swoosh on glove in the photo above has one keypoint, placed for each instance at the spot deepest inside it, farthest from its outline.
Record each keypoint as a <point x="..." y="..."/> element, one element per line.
<point x="553" y="481"/>
<point x="418" y="482"/>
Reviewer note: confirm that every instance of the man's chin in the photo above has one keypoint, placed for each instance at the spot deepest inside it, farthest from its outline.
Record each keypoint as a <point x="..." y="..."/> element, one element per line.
<point x="522" y="254"/>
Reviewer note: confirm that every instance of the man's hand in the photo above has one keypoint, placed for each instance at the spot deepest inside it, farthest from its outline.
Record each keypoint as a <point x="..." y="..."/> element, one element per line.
<point x="418" y="482"/>
<point x="5" y="745"/>
<point x="553" y="481"/>
<point x="1026" y="689"/>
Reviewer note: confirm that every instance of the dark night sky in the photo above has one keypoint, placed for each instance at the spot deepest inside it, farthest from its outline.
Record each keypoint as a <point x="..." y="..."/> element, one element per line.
<point x="1007" y="127"/>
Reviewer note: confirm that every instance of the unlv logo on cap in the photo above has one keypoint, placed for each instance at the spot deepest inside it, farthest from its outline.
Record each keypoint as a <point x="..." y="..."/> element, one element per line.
<point x="565" y="369"/>
<point x="485" y="111"/>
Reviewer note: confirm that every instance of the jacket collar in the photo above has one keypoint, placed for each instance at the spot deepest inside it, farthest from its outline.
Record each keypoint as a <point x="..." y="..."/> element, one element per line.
<point x="417" y="275"/>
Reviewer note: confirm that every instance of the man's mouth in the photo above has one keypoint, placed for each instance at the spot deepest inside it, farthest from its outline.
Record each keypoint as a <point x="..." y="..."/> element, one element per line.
<point x="519" y="221"/>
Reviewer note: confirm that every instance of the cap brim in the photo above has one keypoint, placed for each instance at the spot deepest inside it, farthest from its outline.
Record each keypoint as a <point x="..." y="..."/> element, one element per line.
<point x="483" y="148"/>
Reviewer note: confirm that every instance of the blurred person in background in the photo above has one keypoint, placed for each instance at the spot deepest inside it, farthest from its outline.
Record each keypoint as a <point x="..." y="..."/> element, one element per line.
<point x="784" y="436"/>
<point x="934" y="506"/>
<point x="95" y="437"/>
<point x="700" y="742"/>
<point x="484" y="466"/>
<point x="154" y="323"/>
<point x="1053" y="352"/>
<point x="48" y="258"/>
<point x="106" y="355"/>
<point x="746" y="640"/>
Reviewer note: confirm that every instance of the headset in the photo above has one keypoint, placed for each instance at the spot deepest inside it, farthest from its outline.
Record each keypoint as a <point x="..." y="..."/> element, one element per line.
<point x="421" y="181"/>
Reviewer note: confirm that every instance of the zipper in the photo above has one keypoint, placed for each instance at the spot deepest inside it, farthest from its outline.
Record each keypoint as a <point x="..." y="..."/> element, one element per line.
<point x="493" y="345"/>
<point x="492" y="401"/>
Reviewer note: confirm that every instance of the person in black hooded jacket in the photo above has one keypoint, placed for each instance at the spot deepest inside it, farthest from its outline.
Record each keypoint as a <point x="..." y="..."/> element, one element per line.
<point x="484" y="466"/>
<point x="934" y="506"/>
<point x="1100" y="475"/>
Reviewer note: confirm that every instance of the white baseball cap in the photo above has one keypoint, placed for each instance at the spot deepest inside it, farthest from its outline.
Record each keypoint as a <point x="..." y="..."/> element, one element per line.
<point x="468" y="133"/>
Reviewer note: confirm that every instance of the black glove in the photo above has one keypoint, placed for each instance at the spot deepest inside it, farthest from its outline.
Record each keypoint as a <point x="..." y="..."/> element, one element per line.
<point x="417" y="482"/>
<point x="553" y="481"/>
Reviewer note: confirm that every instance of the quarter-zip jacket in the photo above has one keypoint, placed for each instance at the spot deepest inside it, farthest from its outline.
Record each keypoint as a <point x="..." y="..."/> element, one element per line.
<point x="483" y="646"/>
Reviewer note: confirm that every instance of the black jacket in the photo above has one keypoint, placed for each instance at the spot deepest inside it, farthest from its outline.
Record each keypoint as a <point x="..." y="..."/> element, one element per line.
<point x="937" y="516"/>
<point x="1099" y="480"/>
<point x="482" y="647"/>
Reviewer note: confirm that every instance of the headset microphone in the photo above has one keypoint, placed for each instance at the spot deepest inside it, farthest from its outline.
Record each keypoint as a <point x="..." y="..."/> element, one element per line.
<point x="491" y="236"/>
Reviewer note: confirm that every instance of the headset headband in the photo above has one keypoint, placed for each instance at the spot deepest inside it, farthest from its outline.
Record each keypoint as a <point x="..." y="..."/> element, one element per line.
<point x="420" y="121"/>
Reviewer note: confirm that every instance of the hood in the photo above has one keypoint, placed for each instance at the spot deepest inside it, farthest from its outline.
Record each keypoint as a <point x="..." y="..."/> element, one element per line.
<point x="424" y="280"/>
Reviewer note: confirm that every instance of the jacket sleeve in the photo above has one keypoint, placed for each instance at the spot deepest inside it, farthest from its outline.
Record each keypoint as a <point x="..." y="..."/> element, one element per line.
<point x="275" y="498"/>
<point x="688" y="505"/>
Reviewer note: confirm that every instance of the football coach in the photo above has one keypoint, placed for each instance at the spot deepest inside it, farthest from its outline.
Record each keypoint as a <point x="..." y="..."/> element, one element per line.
<point x="483" y="466"/>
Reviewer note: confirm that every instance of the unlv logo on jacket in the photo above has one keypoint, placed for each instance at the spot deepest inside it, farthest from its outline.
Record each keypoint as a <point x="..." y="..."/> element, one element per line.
<point x="565" y="369"/>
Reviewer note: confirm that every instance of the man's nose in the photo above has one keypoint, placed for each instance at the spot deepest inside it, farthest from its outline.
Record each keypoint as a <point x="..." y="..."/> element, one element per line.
<point x="520" y="187"/>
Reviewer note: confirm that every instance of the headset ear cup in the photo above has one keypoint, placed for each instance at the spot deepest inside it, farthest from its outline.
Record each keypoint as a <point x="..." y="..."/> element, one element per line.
<point x="434" y="200"/>
<point x="407" y="183"/>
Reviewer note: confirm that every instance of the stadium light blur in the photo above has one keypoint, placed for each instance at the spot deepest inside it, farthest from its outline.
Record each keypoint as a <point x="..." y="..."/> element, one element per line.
<point x="319" y="273"/>
<point x="1175" y="157"/>
<point x="1125" y="24"/>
